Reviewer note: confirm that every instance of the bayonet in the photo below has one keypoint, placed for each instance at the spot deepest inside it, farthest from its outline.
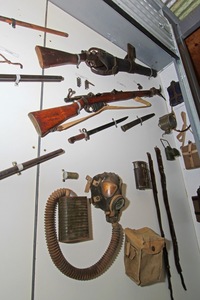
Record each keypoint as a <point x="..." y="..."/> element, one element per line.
<point x="85" y="134"/>
<point x="136" y="122"/>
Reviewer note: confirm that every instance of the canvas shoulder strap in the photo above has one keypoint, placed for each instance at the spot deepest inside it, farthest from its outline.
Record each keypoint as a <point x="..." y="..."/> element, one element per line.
<point x="155" y="194"/>
<point x="107" y="107"/>
<point x="169" y="216"/>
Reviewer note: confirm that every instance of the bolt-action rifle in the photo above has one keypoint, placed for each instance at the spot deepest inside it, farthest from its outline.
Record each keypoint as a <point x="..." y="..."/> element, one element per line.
<point x="99" y="61"/>
<point x="47" y="120"/>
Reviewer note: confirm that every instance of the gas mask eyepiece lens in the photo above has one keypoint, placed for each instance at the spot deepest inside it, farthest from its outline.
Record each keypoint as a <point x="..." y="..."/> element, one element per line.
<point x="108" y="189"/>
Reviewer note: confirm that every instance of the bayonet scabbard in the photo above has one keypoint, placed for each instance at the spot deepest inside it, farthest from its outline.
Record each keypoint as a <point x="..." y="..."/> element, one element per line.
<point x="136" y="122"/>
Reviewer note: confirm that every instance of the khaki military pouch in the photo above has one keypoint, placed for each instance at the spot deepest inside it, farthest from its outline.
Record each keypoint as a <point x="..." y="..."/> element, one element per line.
<point x="143" y="255"/>
<point x="189" y="150"/>
<point x="190" y="156"/>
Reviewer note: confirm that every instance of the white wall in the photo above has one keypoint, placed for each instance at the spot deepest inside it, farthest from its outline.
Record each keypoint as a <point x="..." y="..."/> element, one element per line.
<point x="23" y="274"/>
<point x="191" y="177"/>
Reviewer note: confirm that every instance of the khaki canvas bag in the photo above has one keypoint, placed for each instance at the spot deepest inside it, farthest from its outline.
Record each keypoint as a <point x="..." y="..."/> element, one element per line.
<point x="189" y="151"/>
<point x="143" y="255"/>
<point x="190" y="156"/>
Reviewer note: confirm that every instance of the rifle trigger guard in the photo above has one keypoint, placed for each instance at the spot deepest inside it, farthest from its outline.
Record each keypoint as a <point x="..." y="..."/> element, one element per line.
<point x="94" y="107"/>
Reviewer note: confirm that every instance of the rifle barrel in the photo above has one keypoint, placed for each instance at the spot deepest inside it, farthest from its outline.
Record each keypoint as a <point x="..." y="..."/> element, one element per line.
<point x="14" y="22"/>
<point x="30" y="78"/>
<point x="29" y="164"/>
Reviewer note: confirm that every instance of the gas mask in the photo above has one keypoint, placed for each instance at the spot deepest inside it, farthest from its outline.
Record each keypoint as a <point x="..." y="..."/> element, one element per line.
<point x="106" y="194"/>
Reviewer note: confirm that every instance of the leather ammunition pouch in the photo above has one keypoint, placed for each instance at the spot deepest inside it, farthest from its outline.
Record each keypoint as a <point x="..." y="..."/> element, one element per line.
<point x="143" y="255"/>
<point x="175" y="94"/>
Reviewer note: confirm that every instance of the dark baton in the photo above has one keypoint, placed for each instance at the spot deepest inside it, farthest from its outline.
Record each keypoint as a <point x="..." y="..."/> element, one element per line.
<point x="86" y="134"/>
<point x="136" y="122"/>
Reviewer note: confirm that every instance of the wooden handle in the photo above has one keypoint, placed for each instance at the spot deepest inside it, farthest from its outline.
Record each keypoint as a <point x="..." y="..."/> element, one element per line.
<point x="77" y="137"/>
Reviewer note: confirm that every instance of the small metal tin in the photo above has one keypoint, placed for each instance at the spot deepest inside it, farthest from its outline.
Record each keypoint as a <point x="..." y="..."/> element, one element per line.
<point x="167" y="122"/>
<point x="142" y="178"/>
<point x="69" y="175"/>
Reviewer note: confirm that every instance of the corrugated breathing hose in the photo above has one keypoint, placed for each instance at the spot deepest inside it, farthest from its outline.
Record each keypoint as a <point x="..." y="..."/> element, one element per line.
<point x="56" y="254"/>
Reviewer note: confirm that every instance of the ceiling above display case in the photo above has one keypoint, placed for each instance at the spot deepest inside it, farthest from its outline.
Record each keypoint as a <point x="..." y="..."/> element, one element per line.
<point x="153" y="40"/>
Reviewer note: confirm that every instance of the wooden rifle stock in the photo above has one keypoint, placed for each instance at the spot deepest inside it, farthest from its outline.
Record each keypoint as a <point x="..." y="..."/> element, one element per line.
<point x="47" y="120"/>
<point x="48" y="57"/>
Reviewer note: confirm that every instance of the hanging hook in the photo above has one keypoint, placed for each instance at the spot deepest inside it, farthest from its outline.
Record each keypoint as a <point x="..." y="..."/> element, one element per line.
<point x="9" y="62"/>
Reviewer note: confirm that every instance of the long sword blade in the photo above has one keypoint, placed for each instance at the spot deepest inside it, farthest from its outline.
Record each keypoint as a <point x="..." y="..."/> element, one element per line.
<point x="100" y="128"/>
<point x="86" y="134"/>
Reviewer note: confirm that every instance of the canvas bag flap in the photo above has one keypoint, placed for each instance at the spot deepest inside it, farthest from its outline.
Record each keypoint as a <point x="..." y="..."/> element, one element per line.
<point x="143" y="255"/>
